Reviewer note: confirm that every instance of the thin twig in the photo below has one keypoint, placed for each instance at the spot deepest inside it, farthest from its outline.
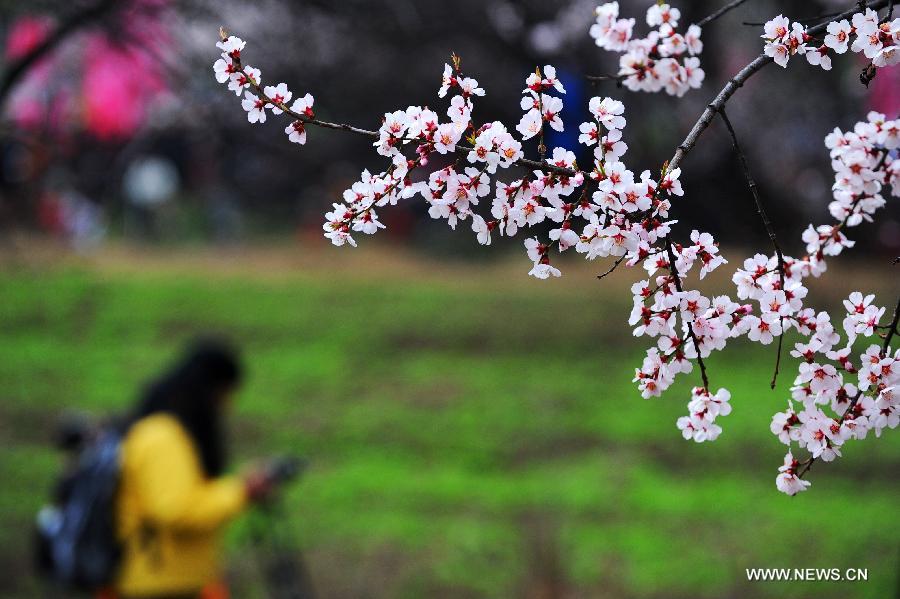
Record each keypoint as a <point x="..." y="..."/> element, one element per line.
<point x="742" y="158"/>
<point x="770" y="230"/>
<point x="670" y="251"/>
<point x="617" y="78"/>
<point x="892" y="330"/>
<point x="806" y="21"/>
<point x="808" y="464"/>
<point x="542" y="165"/>
<point x="613" y="267"/>
<point x="774" y="380"/>
<point x="542" y="149"/>
<point x="831" y="15"/>
<point x="725" y="9"/>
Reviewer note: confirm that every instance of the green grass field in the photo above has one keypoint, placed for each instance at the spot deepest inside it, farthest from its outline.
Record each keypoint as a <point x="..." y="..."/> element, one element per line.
<point x="470" y="435"/>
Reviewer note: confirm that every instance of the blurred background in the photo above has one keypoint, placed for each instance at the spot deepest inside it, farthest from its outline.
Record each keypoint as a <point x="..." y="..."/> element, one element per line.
<point x="472" y="433"/>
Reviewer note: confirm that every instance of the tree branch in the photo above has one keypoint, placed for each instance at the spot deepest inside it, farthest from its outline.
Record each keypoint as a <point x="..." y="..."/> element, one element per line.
<point x="675" y="275"/>
<point x="808" y="21"/>
<point x="725" y="9"/>
<point x="16" y="70"/>
<point x="542" y="165"/>
<point x="768" y="225"/>
<point x="737" y="81"/>
<point x="613" y="267"/>
<point x="617" y="78"/>
<point x="892" y="330"/>
<point x="542" y="149"/>
<point x="683" y="149"/>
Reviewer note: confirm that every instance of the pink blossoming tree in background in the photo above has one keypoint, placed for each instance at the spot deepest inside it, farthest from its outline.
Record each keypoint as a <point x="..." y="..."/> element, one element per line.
<point x="848" y="376"/>
<point x="116" y="85"/>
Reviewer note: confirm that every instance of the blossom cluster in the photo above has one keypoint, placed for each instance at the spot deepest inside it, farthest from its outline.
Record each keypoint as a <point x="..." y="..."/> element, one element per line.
<point x="412" y="137"/>
<point x="257" y="99"/>
<point x="663" y="60"/>
<point x="833" y="409"/>
<point x="864" y="33"/>
<point x="603" y="209"/>
<point x="622" y="214"/>
<point x="453" y="192"/>
<point x="703" y="409"/>
<point x="685" y="323"/>
<point x="539" y="106"/>
<point x="865" y="163"/>
<point x="863" y="167"/>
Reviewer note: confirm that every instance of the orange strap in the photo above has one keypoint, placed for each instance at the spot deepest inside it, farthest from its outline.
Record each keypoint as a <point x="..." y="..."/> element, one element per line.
<point x="215" y="590"/>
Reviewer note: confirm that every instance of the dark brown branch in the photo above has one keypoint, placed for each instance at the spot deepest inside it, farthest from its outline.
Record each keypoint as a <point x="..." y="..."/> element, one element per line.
<point x="670" y="251"/>
<point x="542" y="149"/>
<point x="806" y="466"/>
<point x="617" y="78"/>
<point x="770" y="230"/>
<point x="808" y="21"/>
<point x="338" y="126"/>
<point x="737" y="81"/>
<point x="16" y="70"/>
<point x="774" y="380"/>
<point x="613" y="267"/>
<point x="755" y="191"/>
<point x="892" y="330"/>
<point x="683" y="149"/>
<point x="725" y="9"/>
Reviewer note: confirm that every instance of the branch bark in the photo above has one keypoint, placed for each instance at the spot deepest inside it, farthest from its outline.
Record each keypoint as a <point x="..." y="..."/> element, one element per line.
<point x="725" y="9"/>
<point x="612" y="268"/>
<point x="892" y="330"/>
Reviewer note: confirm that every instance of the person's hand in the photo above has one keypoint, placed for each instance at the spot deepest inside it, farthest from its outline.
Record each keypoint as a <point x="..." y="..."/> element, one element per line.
<point x="258" y="485"/>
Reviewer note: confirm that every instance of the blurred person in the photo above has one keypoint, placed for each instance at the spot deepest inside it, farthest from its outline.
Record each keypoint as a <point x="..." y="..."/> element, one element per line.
<point x="66" y="212"/>
<point x="148" y="185"/>
<point x="174" y="497"/>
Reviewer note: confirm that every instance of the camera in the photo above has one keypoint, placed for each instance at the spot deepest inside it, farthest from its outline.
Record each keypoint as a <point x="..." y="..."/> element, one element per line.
<point x="284" y="469"/>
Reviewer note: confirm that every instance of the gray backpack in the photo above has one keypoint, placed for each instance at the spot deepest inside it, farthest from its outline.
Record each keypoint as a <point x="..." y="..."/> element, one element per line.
<point x="76" y="538"/>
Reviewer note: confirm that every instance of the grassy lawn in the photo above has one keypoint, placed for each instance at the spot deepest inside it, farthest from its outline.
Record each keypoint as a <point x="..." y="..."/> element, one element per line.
<point x="469" y="436"/>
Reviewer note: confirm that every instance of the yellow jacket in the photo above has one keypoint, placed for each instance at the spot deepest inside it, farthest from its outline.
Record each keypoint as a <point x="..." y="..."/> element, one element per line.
<point x="168" y="513"/>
